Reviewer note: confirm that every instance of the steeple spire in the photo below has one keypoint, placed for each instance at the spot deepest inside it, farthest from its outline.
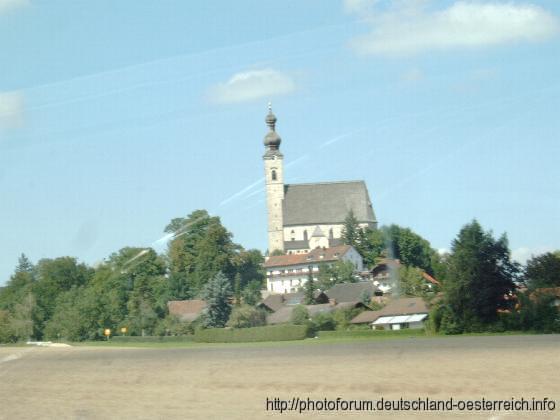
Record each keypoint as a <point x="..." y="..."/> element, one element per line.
<point x="272" y="140"/>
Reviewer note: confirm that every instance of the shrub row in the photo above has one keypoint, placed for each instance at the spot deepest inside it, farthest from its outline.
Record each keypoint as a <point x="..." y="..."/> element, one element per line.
<point x="151" y="339"/>
<point x="371" y="333"/>
<point x="283" y="332"/>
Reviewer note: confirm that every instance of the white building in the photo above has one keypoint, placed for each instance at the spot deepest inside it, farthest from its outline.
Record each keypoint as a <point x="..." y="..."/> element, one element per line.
<point x="288" y="273"/>
<point x="302" y="217"/>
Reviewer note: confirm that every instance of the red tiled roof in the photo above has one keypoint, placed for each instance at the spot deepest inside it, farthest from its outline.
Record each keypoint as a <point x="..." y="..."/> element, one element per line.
<point x="328" y="254"/>
<point x="430" y="278"/>
<point x="186" y="310"/>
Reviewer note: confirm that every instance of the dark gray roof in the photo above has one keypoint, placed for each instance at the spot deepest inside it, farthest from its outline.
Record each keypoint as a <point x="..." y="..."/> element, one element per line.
<point x="325" y="203"/>
<point x="284" y="314"/>
<point x="351" y="292"/>
<point x="289" y="245"/>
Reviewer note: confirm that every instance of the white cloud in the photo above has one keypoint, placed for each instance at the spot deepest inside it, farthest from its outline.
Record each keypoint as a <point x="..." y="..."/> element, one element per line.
<point x="523" y="254"/>
<point x="252" y="85"/>
<point x="7" y="5"/>
<point x="405" y="30"/>
<point x="11" y="109"/>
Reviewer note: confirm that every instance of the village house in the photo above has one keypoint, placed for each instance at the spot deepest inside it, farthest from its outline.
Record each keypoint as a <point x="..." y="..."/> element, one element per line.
<point x="288" y="273"/>
<point x="362" y="291"/>
<point x="385" y="276"/>
<point x="186" y="310"/>
<point x="397" y="314"/>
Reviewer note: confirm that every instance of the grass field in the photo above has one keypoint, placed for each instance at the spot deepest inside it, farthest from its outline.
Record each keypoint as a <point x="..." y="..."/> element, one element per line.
<point x="189" y="380"/>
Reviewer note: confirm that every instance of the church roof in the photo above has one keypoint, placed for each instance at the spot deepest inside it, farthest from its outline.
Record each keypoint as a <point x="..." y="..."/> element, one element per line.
<point x="326" y="203"/>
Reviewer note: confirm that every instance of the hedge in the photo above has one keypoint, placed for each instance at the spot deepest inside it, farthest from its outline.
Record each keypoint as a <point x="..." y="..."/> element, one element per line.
<point x="371" y="333"/>
<point x="151" y="339"/>
<point x="283" y="332"/>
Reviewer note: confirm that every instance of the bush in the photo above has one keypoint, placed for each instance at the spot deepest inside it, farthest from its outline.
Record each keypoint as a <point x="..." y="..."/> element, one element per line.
<point x="246" y="316"/>
<point x="173" y="326"/>
<point x="300" y="315"/>
<point x="450" y="324"/>
<point x="369" y="333"/>
<point x="324" y="322"/>
<point x="282" y="332"/>
<point x="152" y="339"/>
<point x="342" y="317"/>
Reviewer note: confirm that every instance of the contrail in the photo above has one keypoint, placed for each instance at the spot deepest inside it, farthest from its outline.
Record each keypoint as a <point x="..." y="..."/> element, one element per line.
<point x="242" y="191"/>
<point x="340" y="137"/>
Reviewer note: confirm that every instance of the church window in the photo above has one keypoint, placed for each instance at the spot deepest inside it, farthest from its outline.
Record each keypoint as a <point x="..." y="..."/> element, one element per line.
<point x="331" y="235"/>
<point x="274" y="175"/>
<point x="305" y="235"/>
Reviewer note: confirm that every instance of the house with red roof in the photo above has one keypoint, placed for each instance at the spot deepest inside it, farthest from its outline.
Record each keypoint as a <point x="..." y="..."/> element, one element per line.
<point x="288" y="273"/>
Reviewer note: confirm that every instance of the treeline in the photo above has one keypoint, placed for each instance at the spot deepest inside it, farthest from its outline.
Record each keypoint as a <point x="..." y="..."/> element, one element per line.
<point x="62" y="298"/>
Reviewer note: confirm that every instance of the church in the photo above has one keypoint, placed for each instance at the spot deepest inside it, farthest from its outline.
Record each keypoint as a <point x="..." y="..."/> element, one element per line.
<point x="303" y="217"/>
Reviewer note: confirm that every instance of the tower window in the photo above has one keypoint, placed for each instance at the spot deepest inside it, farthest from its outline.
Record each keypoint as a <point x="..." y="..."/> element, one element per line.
<point x="274" y="175"/>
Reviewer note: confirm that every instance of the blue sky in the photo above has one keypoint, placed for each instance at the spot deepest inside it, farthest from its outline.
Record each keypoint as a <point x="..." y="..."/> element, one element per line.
<point x="117" y="116"/>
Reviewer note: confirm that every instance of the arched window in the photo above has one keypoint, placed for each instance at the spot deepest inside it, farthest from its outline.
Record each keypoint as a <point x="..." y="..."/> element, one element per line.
<point x="305" y="235"/>
<point x="274" y="174"/>
<point x="331" y="235"/>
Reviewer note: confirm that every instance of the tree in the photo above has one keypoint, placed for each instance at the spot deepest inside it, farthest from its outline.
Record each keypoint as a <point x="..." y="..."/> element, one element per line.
<point x="24" y="265"/>
<point x="543" y="271"/>
<point x="53" y="278"/>
<point x="309" y="288"/>
<point x="23" y="317"/>
<point x="19" y="285"/>
<point x="199" y="248"/>
<point x="408" y="247"/>
<point x="338" y="272"/>
<point x="372" y="246"/>
<point x="480" y="276"/>
<point x="252" y="293"/>
<point x="412" y="283"/>
<point x="246" y="316"/>
<point x="351" y="230"/>
<point x="217" y="294"/>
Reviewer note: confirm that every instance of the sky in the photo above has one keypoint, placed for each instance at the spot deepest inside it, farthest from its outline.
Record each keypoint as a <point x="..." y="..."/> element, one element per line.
<point x="116" y="117"/>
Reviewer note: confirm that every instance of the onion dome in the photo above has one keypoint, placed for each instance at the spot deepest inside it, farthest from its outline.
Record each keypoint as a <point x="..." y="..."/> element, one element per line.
<point x="272" y="140"/>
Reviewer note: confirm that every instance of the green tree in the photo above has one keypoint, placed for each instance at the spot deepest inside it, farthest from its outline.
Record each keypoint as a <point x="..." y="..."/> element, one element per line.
<point x="543" y="271"/>
<point x="19" y="285"/>
<point x="351" y="230"/>
<point x="246" y="316"/>
<point x="199" y="248"/>
<point x="480" y="275"/>
<point x="412" y="283"/>
<point x="23" y="317"/>
<point x="252" y="293"/>
<point x="53" y="278"/>
<point x="217" y="294"/>
<point x="372" y="246"/>
<point x="408" y="247"/>
<point x="338" y="272"/>
<point x="309" y="288"/>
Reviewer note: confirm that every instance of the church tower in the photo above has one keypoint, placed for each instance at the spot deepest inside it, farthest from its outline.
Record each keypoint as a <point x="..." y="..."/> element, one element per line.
<point x="274" y="180"/>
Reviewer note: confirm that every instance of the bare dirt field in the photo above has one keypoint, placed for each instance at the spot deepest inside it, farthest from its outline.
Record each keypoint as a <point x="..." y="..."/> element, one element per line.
<point x="228" y="381"/>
